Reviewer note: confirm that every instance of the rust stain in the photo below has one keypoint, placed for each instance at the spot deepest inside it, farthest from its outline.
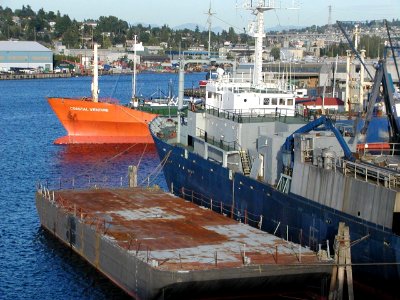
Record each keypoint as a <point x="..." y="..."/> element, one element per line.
<point x="176" y="233"/>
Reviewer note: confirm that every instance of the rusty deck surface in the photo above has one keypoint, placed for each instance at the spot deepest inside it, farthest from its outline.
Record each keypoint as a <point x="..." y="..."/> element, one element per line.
<point x="174" y="234"/>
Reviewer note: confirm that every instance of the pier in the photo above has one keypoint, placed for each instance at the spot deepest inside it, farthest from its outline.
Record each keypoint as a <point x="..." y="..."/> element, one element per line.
<point x="35" y="76"/>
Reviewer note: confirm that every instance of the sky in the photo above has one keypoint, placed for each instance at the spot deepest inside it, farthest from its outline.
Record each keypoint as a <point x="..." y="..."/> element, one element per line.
<point x="228" y="13"/>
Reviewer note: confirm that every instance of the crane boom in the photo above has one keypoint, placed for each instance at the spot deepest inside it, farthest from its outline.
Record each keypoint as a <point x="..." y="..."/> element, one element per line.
<point x="323" y="120"/>
<point x="392" y="48"/>
<point x="353" y="48"/>
<point x="383" y="84"/>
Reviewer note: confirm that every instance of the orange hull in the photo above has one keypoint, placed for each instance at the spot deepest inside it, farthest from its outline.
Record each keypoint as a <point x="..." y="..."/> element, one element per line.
<point x="89" y="122"/>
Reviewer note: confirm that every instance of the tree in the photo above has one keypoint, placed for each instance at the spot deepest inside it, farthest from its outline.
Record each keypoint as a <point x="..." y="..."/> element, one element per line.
<point x="71" y="37"/>
<point x="165" y="33"/>
<point x="106" y="42"/>
<point x="112" y="24"/>
<point x="232" y="36"/>
<point x="62" y="25"/>
<point x="144" y="37"/>
<point x="276" y="53"/>
<point x="25" y="12"/>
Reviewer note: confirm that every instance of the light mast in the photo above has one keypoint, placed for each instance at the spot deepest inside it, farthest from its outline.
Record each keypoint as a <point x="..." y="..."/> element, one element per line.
<point x="95" y="82"/>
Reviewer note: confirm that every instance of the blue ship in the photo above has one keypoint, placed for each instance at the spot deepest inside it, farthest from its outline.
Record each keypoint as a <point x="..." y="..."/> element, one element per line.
<point x="231" y="155"/>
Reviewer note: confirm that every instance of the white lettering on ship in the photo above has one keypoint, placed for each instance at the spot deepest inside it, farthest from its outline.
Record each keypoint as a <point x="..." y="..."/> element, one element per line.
<point x="89" y="109"/>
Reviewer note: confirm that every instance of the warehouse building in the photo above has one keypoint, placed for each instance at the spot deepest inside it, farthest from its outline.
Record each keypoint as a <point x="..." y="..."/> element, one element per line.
<point x="25" y="55"/>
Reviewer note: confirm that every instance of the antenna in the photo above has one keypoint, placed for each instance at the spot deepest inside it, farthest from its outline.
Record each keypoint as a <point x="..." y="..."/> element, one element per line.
<point x="258" y="32"/>
<point x="210" y="14"/>
<point x="330" y="18"/>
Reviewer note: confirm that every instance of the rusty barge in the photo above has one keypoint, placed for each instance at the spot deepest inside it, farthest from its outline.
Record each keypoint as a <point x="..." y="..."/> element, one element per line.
<point x="154" y="245"/>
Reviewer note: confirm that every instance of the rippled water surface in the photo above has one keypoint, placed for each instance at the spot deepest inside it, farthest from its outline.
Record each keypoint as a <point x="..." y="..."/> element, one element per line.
<point x="33" y="265"/>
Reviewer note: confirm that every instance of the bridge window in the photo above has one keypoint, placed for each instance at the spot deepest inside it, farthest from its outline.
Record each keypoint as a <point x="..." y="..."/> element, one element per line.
<point x="282" y="101"/>
<point x="274" y="101"/>
<point x="289" y="101"/>
<point x="266" y="101"/>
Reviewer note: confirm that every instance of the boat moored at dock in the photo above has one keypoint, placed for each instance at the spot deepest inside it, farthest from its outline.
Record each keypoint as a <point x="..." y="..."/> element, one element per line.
<point x="249" y="150"/>
<point x="90" y="120"/>
<point x="101" y="122"/>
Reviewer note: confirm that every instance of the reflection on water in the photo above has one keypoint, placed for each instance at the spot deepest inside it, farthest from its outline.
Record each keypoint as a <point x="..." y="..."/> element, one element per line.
<point x="32" y="265"/>
<point x="83" y="166"/>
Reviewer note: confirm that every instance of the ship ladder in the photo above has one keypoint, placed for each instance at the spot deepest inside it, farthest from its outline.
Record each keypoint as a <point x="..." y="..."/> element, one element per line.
<point x="246" y="164"/>
<point x="284" y="183"/>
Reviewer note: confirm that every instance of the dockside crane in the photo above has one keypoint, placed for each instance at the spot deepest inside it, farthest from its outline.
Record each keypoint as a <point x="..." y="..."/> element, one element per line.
<point x="382" y="86"/>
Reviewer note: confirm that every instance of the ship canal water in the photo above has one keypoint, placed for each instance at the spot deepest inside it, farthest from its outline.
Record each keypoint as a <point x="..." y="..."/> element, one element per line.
<point x="33" y="264"/>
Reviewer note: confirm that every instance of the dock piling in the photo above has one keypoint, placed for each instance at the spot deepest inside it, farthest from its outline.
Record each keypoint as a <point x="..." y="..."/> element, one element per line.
<point x="342" y="266"/>
<point x="132" y="176"/>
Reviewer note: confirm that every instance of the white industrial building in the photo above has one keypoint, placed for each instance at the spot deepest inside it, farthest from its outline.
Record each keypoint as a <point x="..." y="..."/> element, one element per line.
<point x="25" y="55"/>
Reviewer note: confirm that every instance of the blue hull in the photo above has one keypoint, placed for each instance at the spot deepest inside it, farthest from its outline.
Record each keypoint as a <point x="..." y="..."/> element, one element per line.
<point x="375" y="255"/>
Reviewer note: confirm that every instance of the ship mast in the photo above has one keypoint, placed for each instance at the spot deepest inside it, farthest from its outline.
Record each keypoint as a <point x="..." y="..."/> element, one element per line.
<point x="95" y="82"/>
<point x="135" y="100"/>
<point x="209" y="13"/>
<point x="257" y="31"/>
<point x="134" y="71"/>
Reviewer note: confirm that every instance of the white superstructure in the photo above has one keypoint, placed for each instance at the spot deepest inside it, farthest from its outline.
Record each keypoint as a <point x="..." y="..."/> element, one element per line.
<point x="258" y="95"/>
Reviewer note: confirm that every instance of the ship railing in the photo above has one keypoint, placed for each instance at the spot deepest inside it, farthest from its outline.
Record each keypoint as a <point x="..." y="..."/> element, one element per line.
<point x="276" y="227"/>
<point x="218" y="142"/>
<point x="109" y="100"/>
<point x="228" y="78"/>
<point x="387" y="149"/>
<point x="254" y="115"/>
<point x="92" y="182"/>
<point x="242" y="83"/>
<point x="370" y="173"/>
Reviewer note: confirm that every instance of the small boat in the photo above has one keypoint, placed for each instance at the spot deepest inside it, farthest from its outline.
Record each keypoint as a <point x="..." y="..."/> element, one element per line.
<point x="167" y="105"/>
<point x="100" y="121"/>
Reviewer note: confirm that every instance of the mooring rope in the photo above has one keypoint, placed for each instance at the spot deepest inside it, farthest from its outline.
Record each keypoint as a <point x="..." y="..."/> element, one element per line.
<point x="141" y="156"/>
<point x="157" y="169"/>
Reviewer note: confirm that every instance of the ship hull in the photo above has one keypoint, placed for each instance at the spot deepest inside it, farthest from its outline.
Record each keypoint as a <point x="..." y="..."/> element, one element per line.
<point x="88" y="122"/>
<point x="375" y="255"/>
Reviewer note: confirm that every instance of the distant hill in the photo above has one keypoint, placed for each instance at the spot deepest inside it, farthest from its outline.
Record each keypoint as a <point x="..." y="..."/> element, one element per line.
<point x="281" y="28"/>
<point x="192" y="26"/>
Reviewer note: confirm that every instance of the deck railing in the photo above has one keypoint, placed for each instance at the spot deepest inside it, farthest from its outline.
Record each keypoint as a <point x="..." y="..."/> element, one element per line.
<point x="254" y="115"/>
<point x="274" y="226"/>
<point x="218" y="142"/>
<point x="389" y="178"/>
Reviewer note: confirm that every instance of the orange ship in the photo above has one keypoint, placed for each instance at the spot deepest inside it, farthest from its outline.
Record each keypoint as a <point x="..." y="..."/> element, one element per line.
<point x="90" y="121"/>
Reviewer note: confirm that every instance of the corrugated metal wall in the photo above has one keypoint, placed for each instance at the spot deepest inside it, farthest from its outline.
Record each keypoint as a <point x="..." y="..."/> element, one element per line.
<point x="368" y="201"/>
